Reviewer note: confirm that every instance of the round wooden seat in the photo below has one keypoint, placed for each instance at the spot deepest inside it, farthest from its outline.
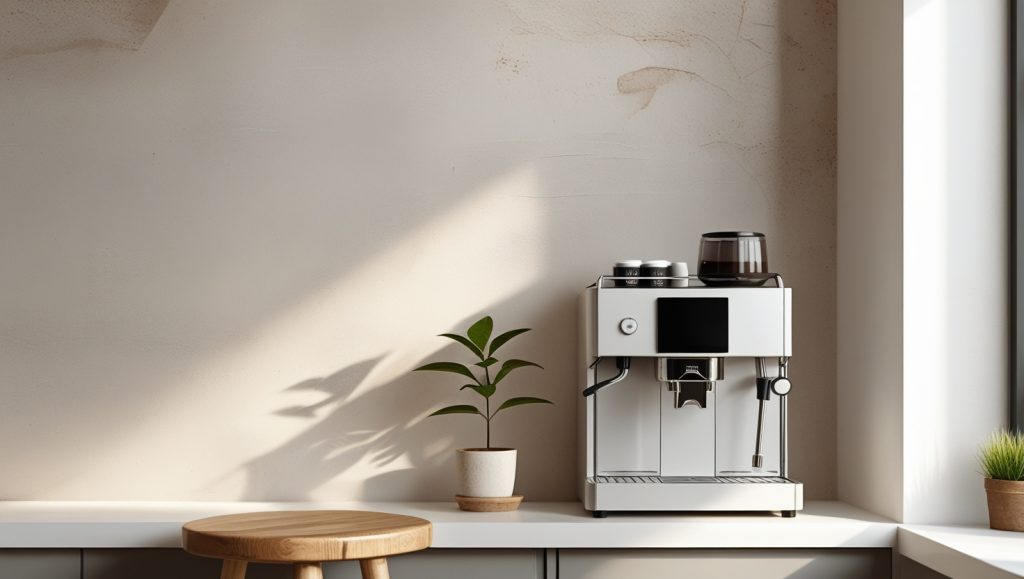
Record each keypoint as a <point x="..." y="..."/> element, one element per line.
<point x="306" y="539"/>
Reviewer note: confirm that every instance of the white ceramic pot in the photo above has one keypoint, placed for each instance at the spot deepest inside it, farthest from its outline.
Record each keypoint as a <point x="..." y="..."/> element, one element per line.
<point x="485" y="472"/>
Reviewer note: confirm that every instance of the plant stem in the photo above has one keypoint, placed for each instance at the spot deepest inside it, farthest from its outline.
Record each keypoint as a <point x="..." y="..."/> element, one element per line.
<point x="487" y="406"/>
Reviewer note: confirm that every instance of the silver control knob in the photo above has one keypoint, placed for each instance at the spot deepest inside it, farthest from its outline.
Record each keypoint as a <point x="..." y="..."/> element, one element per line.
<point x="628" y="326"/>
<point x="781" y="386"/>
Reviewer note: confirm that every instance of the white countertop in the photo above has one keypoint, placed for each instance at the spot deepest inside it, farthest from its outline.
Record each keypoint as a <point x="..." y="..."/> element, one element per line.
<point x="964" y="551"/>
<point x="822" y="524"/>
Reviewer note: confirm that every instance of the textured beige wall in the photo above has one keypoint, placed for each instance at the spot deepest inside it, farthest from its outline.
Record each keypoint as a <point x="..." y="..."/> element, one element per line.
<point x="870" y="250"/>
<point x="226" y="240"/>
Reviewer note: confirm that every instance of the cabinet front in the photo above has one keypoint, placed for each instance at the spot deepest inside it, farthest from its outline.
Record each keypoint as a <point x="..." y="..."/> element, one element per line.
<point x="725" y="563"/>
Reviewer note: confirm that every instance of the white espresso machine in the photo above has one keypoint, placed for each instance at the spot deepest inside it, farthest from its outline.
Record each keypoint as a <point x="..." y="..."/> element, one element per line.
<point x="683" y="396"/>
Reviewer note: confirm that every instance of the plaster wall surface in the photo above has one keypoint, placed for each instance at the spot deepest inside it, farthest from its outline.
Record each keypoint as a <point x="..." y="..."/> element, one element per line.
<point x="870" y="257"/>
<point x="229" y="230"/>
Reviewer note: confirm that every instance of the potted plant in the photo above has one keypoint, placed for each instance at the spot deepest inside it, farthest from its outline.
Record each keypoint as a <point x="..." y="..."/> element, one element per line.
<point x="485" y="476"/>
<point x="1002" y="461"/>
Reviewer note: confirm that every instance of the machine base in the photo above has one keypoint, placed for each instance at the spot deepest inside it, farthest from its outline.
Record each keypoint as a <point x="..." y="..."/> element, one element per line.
<point x="647" y="493"/>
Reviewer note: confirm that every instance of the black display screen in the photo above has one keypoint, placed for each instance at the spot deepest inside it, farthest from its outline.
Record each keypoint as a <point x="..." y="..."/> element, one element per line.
<point x="693" y="325"/>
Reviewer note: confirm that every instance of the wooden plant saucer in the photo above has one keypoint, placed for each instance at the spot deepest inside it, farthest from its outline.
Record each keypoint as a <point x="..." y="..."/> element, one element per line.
<point x="489" y="504"/>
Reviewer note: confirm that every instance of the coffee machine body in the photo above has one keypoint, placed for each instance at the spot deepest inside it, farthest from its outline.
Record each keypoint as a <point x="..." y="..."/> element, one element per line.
<point x="684" y="404"/>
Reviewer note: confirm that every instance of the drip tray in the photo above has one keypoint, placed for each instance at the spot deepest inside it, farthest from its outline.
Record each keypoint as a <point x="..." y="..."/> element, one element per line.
<point x="691" y="479"/>
<point x="643" y="492"/>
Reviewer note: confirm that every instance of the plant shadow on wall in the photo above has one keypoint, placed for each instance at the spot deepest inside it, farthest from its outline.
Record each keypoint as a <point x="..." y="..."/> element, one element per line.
<point x="345" y="433"/>
<point x="349" y="432"/>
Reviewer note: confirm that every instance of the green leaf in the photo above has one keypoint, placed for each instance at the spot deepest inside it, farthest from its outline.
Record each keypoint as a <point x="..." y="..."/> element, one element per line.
<point x="448" y="367"/>
<point x="457" y="409"/>
<point x="500" y="340"/>
<point x="521" y="401"/>
<point x="485" y="390"/>
<point x="465" y="342"/>
<point x="480" y="332"/>
<point x="510" y="365"/>
<point x="486" y="363"/>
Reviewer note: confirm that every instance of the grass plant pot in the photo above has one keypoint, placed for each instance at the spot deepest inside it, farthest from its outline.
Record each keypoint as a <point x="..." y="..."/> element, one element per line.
<point x="1005" y="504"/>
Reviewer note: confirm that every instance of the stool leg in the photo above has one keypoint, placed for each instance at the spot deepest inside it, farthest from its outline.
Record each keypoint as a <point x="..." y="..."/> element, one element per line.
<point x="308" y="571"/>
<point x="374" y="568"/>
<point x="233" y="569"/>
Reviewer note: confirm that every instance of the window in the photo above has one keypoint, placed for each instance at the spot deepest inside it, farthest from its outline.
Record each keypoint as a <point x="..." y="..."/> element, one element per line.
<point x="1016" y="215"/>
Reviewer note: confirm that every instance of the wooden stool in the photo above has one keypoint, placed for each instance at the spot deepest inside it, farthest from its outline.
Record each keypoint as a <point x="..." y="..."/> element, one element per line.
<point x="306" y="539"/>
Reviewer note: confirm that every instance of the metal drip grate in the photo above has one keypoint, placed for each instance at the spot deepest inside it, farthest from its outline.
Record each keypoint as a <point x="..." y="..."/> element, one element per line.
<point x="690" y="479"/>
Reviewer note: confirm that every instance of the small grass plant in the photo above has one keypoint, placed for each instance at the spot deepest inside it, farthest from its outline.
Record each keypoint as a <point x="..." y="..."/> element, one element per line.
<point x="1002" y="456"/>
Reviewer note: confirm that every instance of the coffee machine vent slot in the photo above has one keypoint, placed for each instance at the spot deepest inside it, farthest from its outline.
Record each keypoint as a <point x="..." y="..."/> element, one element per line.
<point x="691" y="480"/>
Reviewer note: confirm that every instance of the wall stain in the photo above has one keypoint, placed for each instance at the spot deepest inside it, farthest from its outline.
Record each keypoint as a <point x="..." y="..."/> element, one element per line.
<point x="646" y="81"/>
<point x="512" y="64"/>
<point x="593" y="28"/>
<point x="42" y="27"/>
<point x="684" y="39"/>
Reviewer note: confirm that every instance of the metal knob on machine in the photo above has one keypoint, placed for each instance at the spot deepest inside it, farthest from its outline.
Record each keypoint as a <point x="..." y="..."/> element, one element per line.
<point x="781" y="386"/>
<point x="628" y="326"/>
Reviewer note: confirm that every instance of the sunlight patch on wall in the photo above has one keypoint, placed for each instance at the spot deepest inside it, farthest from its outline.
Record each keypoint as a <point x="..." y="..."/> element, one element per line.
<point x="317" y="389"/>
<point x="926" y="243"/>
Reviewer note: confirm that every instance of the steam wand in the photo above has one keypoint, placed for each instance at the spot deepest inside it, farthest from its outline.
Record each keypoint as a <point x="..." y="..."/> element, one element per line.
<point x="781" y="386"/>
<point x="622" y="363"/>
<point x="763" y="394"/>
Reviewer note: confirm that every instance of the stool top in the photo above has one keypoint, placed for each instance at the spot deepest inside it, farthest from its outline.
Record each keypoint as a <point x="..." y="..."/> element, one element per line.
<point x="305" y="536"/>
